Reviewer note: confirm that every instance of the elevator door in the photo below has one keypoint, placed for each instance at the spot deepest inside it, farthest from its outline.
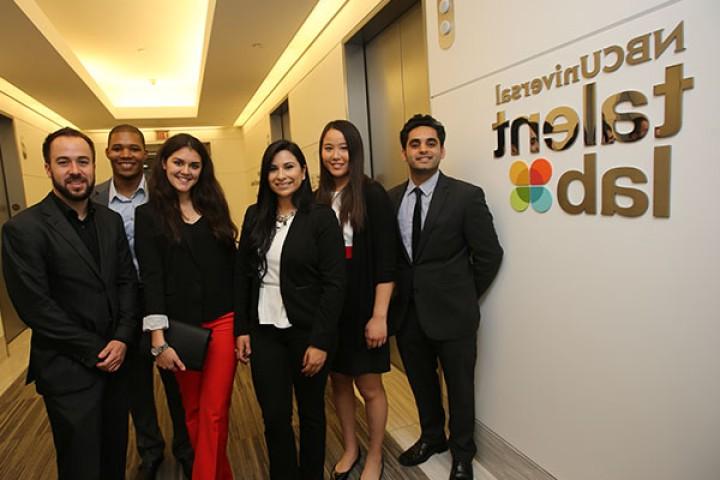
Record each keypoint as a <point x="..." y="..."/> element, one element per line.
<point x="12" y="324"/>
<point x="397" y="88"/>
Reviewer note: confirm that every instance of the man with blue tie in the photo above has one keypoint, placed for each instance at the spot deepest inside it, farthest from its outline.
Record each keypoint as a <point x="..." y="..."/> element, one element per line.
<point x="448" y="256"/>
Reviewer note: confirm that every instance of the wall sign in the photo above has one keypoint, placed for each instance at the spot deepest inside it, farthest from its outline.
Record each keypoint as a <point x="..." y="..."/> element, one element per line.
<point x="559" y="129"/>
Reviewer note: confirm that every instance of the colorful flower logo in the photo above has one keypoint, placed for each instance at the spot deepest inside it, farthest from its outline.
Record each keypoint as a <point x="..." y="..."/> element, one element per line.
<point x="529" y="185"/>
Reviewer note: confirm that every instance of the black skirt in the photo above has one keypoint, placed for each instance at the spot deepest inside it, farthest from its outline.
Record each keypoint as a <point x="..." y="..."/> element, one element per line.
<point x="353" y="357"/>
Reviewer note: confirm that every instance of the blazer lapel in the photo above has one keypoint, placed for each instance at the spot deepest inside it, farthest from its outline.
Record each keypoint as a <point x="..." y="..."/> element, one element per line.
<point x="297" y="226"/>
<point x="63" y="228"/>
<point x="105" y="242"/>
<point x="397" y="196"/>
<point x="101" y="194"/>
<point x="436" y="206"/>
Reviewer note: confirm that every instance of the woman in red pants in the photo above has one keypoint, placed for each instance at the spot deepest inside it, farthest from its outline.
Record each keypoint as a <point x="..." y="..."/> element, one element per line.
<point x="185" y="244"/>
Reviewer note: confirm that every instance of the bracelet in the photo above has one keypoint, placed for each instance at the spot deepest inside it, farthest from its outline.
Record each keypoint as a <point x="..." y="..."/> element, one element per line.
<point x="155" y="351"/>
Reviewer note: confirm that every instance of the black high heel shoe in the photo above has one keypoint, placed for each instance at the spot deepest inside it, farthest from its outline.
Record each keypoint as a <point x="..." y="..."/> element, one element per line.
<point x="346" y="474"/>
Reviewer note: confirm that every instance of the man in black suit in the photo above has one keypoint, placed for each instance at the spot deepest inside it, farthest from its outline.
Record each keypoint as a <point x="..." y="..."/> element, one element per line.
<point x="70" y="275"/>
<point x="448" y="256"/>
<point x="122" y="193"/>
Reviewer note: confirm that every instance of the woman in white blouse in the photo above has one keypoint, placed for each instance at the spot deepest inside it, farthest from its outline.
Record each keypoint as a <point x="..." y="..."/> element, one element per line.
<point x="289" y="294"/>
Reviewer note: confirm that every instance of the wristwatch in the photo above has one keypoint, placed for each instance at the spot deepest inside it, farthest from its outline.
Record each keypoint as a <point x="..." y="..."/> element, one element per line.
<point x="155" y="351"/>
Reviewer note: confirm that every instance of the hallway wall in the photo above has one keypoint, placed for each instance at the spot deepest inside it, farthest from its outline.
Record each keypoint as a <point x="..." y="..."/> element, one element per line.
<point x="598" y="351"/>
<point x="33" y="122"/>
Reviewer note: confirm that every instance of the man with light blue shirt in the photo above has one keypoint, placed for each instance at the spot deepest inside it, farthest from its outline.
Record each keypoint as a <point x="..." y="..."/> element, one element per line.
<point x="125" y="191"/>
<point x="448" y="255"/>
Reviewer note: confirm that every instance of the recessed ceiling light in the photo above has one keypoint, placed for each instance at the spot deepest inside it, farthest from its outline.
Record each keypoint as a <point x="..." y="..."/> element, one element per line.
<point x="172" y="55"/>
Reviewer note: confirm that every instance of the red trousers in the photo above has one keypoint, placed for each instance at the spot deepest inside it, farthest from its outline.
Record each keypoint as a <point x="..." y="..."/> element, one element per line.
<point x="206" y="398"/>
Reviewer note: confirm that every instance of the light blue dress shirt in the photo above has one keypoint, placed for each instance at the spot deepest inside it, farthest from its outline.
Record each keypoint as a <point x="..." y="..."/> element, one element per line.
<point x="126" y="208"/>
<point x="407" y="206"/>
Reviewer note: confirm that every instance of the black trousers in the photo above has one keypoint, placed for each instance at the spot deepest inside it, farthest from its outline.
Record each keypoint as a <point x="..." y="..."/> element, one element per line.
<point x="276" y="361"/>
<point x="90" y="429"/>
<point x="457" y="357"/>
<point x="150" y="443"/>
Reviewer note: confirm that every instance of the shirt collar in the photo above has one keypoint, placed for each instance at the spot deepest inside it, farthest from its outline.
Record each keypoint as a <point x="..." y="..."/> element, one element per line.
<point x="70" y="212"/>
<point x="427" y="187"/>
<point x="114" y="194"/>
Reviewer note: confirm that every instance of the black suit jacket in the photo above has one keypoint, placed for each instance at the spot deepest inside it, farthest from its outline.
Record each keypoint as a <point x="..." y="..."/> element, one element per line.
<point x="312" y="276"/>
<point x="458" y="257"/>
<point x="73" y="306"/>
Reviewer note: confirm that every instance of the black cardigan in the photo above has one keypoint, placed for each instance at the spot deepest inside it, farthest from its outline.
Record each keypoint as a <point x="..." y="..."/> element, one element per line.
<point x="373" y="257"/>
<point x="312" y="276"/>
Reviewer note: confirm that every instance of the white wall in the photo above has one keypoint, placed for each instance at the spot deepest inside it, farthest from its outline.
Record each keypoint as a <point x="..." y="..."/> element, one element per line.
<point x="316" y="100"/>
<point x="598" y="351"/>
<point x="30" y="138"/>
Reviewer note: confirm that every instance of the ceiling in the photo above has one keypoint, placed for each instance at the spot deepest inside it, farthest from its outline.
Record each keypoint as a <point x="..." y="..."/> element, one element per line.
<point x="245" y="40"/>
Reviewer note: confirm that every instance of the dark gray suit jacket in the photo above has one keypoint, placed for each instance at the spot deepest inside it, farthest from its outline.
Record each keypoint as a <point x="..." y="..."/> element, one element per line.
<point x="101" y="194"/>
<point x="73" y="306"/>
<point x="458" y="257"/>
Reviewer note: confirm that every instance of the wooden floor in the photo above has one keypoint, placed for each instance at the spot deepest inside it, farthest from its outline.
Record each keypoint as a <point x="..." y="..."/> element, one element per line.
<point x="26" y="449"/>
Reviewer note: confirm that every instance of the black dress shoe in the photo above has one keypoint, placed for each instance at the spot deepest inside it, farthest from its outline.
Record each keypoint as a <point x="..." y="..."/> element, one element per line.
<point x="420" y="452"/>
<point x="346" y="474"/>
<point x="461" y="470"/>
<point x="148" y="469"/>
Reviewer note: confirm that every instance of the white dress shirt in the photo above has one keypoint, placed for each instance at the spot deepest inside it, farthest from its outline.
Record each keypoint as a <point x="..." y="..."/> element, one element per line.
<point x="271" y="309"/>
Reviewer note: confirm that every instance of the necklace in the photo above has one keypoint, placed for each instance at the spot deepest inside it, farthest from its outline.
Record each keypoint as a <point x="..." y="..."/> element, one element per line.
<point x="283" y="219"/>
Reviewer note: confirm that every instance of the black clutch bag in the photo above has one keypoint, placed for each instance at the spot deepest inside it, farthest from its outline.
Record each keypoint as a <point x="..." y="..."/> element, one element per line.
<point x="189" y="341"/>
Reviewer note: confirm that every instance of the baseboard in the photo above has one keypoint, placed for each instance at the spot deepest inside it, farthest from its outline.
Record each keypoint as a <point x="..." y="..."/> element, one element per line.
<point x="504" y="461"/>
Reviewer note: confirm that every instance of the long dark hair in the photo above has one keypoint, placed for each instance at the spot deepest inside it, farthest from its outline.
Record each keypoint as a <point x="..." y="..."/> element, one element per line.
<point x="207" y="195"/>
<point x="262" y="230"/>
<point x="352" y="205"/>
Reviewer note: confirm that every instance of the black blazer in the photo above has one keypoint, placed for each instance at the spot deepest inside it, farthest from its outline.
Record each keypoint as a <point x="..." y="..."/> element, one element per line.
<point x="458" y="257"/>
<point x="312" y="276"/>
<point x="72" y="306"/>
<point x="170" y="272"/>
